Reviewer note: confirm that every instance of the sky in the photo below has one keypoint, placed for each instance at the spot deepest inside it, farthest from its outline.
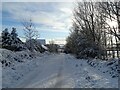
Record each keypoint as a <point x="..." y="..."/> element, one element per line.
<point x="52" y="19"/>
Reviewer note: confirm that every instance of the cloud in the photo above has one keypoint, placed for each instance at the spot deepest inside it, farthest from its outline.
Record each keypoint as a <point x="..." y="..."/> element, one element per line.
<point x="41" y="13"/>
<point x="49" y="20"/>
<point x="66" y="10"/>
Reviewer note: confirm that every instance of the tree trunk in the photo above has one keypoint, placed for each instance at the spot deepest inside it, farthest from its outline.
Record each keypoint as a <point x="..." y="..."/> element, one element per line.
<point x="117" y="47"/>
<point x="113" y="53"/>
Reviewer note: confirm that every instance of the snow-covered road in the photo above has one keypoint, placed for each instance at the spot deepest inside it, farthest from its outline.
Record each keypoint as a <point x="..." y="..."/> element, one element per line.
<point x="51" y="73"/>
<point x="64" y="71"/>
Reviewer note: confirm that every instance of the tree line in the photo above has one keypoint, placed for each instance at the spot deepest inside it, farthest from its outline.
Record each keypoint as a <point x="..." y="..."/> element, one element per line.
<point x="11" y="41"/>
<point x="91" y="33"/>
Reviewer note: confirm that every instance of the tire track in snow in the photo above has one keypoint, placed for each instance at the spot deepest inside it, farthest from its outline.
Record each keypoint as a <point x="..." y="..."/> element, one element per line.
<point x="59" y="77"/>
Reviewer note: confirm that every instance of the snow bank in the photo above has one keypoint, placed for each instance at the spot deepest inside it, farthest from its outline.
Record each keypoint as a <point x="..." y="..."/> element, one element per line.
<point x="15" y="65"/>
<point x="109" y="67"/>
<point x="9" y="58"/>
<point x="86" y="73"/>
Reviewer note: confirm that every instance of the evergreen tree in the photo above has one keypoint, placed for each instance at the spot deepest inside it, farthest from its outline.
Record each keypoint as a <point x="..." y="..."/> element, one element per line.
<point x="11" y="41"/>
<point x="14" y="36"/>
<point x="13" y="33"/>
<point x="6" y="37"/>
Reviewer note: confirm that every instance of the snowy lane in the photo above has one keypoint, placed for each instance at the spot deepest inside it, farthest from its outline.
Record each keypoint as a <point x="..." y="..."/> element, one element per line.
<point x="49" y="74"/>
<point x="65" y="71"/>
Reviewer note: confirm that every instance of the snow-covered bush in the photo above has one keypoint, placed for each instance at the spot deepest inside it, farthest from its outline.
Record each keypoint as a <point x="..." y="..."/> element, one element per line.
<point x="82" y="47"/>
<point x="53" y="48"/>
<point x="34" y="45"/>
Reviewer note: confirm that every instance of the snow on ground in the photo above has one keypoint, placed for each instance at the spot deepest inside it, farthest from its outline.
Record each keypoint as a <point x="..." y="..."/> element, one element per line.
<point x="0" y="76"/>
<point x="36" y="70"/>
<point x="15" y="65"/>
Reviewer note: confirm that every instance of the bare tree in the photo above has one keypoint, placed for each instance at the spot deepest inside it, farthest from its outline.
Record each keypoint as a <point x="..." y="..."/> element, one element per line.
<point x="87" y="28"/>
<point x="30" y="31"/>
<point x="112" y="12"/>
<point x="89" y="18"/>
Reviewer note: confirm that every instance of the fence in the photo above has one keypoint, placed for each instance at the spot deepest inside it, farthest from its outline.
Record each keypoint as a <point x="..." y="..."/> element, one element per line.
<point x="113" y="51"/>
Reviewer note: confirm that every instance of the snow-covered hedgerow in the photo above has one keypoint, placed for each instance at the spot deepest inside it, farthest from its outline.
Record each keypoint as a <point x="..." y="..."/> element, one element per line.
<point x="111" y="66"/>
<point x="15" y="65"/>
<point x="9" y="58"/>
